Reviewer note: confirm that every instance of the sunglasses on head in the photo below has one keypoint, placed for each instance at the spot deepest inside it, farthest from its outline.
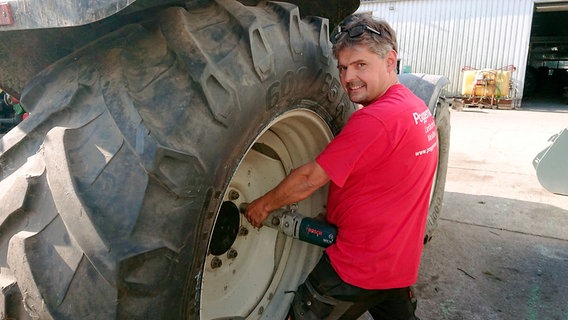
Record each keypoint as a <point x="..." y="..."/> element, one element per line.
<point x="353" y="32"/>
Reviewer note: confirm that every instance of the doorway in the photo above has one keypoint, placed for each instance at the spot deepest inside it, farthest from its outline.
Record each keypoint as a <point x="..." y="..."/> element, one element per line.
<point x="546" y="78"/>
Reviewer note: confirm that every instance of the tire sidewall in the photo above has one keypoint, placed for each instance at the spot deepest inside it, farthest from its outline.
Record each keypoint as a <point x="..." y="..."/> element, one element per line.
<point x="442" y="119"/>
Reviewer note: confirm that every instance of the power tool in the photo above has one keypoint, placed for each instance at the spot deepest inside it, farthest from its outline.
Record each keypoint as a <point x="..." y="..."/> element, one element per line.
<point x="295" y="225"/>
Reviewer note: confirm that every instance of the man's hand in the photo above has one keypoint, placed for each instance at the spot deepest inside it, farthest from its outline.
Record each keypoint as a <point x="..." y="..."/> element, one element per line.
<point x="256" y="213"/>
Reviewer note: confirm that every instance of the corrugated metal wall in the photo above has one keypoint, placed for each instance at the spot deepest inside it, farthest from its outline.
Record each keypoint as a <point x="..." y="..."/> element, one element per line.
<point x="442" y="36"/>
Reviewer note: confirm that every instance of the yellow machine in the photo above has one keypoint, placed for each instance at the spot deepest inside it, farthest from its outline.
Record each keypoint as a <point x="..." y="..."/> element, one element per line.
<point x="489" y="87"/>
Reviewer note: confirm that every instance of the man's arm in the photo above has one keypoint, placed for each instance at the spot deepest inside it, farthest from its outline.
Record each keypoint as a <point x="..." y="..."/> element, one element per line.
<point x="299" y="185"/>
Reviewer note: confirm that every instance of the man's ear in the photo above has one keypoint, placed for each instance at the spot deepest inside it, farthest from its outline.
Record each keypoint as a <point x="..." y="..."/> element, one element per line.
<point x="392" y="60"/>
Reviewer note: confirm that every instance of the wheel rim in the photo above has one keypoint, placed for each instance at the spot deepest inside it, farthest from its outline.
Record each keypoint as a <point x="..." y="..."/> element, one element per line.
<point x="246" y="269"/>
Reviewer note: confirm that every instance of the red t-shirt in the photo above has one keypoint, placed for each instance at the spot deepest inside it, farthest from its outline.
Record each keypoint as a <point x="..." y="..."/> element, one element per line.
<point x="381" y="168"/>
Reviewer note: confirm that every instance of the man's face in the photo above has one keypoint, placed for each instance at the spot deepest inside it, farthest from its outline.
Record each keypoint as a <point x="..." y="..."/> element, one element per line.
<point x="364" y="74"/>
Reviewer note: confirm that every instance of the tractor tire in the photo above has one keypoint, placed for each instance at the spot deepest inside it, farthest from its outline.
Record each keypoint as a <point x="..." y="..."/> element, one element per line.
<point x="119" y="194"/>
<point x="442" y="119"/>
<point x="429" y="88"/>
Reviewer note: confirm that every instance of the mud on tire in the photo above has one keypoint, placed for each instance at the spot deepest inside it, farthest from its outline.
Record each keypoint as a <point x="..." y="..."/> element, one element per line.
<point x="111" y="188"/>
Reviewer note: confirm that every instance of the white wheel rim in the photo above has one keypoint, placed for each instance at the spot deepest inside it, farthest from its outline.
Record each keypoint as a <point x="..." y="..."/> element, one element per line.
<point x="257" y="282"/>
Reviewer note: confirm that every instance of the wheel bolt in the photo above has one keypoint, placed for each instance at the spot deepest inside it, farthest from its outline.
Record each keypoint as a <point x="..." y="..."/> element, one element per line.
<point x="216" y="263"/>
<point x="275" y="221"/>
<point x="243" y="231"/>
<point x="261" y="310"/>
<point x="232" y="254"/>
<point x="233" y="195"/>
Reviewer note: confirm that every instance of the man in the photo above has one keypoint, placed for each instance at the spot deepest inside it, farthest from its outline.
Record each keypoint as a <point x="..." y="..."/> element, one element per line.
<point x="381" y="167"/>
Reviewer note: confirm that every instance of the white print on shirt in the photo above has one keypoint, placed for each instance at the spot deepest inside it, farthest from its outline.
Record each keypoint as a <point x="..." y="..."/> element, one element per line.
<point x="427" y="150"/>
<point x="430" y="127"/>
<point x="423" y="118"/>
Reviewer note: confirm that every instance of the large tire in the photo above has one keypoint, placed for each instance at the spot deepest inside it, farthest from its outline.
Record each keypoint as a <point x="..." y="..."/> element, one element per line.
<point x="429" y="89"/>
<point x="442" y="118"/>
<point x="112" y="189"/>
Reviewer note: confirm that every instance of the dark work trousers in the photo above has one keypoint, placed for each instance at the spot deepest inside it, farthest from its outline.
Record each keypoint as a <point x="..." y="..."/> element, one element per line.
<point x="391" y="304"/>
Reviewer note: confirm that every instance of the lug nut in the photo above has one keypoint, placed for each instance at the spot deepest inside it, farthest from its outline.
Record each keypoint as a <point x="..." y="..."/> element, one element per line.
<point x="233" y="195"/>
<point x="275" y="221"/>
<point x="261" y="310"/>
<point x="216" y="263"/>
<point x="243" y="231"/>
<point x="232" y="254"/>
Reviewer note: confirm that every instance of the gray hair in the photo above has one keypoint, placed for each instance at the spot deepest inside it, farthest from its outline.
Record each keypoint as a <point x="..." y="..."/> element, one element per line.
<point x="379" y="44"/>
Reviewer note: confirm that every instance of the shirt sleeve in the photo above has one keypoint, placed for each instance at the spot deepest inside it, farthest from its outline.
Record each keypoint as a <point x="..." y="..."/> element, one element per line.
<point x="339" y="157"/>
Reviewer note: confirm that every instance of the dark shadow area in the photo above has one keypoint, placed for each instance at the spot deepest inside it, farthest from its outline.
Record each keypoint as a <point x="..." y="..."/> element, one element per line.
<point x="531" y="218"/>
<point x="544" y="103"/>
<point x="546" y="76"/>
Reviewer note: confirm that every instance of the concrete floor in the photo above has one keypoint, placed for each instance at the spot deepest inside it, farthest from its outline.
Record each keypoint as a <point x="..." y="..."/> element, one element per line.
<point x="501" y="249"/>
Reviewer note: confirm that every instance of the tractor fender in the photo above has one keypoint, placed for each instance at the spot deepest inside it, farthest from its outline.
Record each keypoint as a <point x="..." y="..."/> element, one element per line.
<point x="48" y="30"/>
<point x="35" y="14"/>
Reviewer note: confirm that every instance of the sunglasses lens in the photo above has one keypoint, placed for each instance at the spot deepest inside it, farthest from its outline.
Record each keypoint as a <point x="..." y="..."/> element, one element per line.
<point x="356" y="31"/>
<point x="353" y="32"/>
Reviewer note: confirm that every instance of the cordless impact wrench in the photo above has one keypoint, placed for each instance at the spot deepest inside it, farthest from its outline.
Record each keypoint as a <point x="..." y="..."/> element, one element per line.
<point x="295" y="225"/>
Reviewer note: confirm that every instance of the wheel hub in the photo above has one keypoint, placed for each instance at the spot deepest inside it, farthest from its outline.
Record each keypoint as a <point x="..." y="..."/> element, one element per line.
<point x="226" y="229"/>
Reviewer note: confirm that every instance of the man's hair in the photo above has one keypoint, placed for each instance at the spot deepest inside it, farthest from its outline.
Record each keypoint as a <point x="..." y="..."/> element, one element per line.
<point x="379" y="44"/>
